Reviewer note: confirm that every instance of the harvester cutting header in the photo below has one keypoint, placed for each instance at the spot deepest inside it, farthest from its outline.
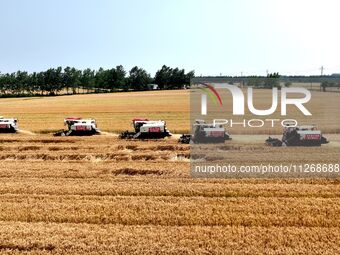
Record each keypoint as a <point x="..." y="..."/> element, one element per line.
<point x="79" y="127"/>
<point x="146" y="129"/>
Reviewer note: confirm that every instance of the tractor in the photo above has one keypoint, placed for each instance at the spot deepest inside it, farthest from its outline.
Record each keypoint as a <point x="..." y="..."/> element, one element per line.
<point x="307" y="135"/>
<point x="146" y="129"/>
<point x="205" y="133"/>
<point x="8" y="125"/>
<point x="79" y="127"/>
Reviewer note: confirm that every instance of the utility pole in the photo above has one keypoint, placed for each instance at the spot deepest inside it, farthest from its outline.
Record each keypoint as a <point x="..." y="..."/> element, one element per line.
<point x="322" y="69"/>
<point x="242" y="81"/>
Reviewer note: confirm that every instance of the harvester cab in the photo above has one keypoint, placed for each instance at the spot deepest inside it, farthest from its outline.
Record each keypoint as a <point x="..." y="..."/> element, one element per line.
<point x="8" y="125"/>
<point x="147" y="129"/>
<point x="307" y="135"/>
<point x="79" y="127"/>
<point x="206" y="133"/>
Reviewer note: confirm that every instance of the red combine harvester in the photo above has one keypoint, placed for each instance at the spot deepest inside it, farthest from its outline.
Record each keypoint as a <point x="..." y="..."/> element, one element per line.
<point x="307" y="135"/>
<point x="146" y="129"/>
<point x="205" y="133"/>
<point x="79" y="127"/>
<point x="8" y="125"/>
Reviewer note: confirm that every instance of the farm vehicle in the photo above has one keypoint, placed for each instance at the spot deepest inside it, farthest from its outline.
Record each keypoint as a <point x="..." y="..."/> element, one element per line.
<point x="205" y="133"/>
<point x="8" y="125"/>
<point x="307" y="135"/>
<point x="146" y="129"/>
<point x="79" y="127"/>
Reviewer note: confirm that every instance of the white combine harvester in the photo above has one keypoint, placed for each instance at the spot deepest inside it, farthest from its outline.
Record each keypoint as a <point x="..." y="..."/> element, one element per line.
<point x="147" y="129"/>
<point x="206" y="133"/>
<point x="8" y="125"/>
<point x="79" y="127"/>
<point x="307" y="135"/>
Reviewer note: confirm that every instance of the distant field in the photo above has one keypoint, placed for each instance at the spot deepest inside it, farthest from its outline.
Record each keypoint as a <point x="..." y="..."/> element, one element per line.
<point x="113" y="112"/>
<point x="314" y="86"/>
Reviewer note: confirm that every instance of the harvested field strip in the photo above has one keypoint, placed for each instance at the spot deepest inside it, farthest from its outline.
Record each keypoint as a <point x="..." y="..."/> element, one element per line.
<point x="89" y="169"/>
<point x="28" y="147"/>
<point x="98" y="156"/>
<point x="91" y="149"/>
<point x="92" y="194"/>
<point x="43" y="141"/>
<point x="172" y="187"/>
<point x="119" y="239"/>
<point x="284" y="212"/>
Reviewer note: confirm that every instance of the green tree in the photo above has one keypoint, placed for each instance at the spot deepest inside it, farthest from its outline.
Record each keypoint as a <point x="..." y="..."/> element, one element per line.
<point x="121" y="77"/>
<point x="71" y="79"/>
<point x="272" y="81"/>
<point x="100" y="79"/>
<point x="163" y="77"/>
<point x="139" y="79"/>
<point x="172" y="78"/>
<point x="87" y="79"/>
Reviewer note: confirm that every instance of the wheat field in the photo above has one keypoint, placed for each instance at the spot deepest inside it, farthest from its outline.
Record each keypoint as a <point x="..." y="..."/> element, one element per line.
<point x="113" y="112"/>
<point x="103" y="195"/>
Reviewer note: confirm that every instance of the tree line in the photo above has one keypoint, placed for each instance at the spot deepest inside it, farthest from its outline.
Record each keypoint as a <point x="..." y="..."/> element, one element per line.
<point x="274" y="81"/>
<point x="70" y="80"/>
<point x="271" y="81"/>
<point x="329" y="84"/>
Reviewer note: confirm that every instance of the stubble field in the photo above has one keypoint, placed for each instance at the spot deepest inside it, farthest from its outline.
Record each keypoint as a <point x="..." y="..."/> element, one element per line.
<point x="102" y="195"/>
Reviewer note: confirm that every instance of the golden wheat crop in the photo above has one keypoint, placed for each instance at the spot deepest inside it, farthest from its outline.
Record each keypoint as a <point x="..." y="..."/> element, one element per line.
<point x="113" y="112"/>
<point x="104" y="195"/>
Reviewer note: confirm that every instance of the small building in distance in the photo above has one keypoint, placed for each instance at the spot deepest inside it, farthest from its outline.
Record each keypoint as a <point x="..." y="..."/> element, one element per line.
<point x="153" y="86"/>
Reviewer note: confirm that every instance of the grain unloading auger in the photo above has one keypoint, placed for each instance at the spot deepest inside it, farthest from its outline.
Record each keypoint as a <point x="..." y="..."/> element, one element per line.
<point x="147" y="129"/>
<point x="307" y="135"/>
<point x="79" y="127"/>
<point x="8" y="125"/>
<point x="205" y="133"/>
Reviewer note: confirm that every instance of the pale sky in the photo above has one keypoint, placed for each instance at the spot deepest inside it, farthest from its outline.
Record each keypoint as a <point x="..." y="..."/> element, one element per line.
<point x="210" y="37"/>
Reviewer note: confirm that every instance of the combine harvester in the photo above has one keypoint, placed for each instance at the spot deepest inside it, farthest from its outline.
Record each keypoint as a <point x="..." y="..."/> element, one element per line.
<point x="307" y="135"/>
<point x="9" y="125"/>
<point x="79" y="127"/>
<point x="205" y="133"/>
<point x="147" y="129"/>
